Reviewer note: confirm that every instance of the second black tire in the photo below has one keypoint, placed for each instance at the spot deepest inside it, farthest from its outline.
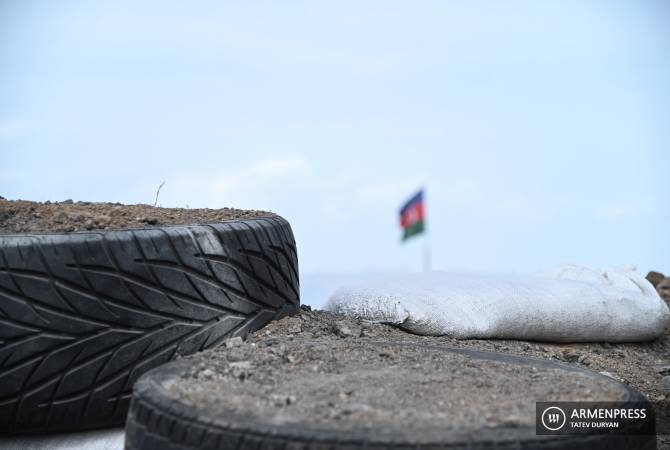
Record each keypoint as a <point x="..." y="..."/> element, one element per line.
<point x="161" y="419"/>
<point x="83" y="315"/>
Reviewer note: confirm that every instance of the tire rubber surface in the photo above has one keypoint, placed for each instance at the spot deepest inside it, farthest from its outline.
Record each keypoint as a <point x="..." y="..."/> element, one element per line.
<point x="159" y="421"/>
<point x="83" y="315"/>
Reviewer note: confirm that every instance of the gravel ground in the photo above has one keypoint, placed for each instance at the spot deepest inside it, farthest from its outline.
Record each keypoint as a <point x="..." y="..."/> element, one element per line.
<point x="324" y="368"/>
<point x="19" y="216"/>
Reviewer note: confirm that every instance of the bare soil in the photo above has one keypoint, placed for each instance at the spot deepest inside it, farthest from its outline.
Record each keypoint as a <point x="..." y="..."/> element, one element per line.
<point x="20" y="216"/>
<point x="338" y="373"/>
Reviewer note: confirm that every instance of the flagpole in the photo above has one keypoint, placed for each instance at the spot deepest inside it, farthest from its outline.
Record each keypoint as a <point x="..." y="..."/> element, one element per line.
<point x="426" y="255"/>
<point x="426" y="241"/>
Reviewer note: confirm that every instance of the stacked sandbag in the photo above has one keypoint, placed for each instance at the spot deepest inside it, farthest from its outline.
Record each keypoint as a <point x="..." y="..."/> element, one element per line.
<point x="565" y="304"/>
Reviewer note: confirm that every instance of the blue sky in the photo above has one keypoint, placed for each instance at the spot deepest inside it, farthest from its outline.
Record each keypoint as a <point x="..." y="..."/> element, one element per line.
<point x="541" y="130"/>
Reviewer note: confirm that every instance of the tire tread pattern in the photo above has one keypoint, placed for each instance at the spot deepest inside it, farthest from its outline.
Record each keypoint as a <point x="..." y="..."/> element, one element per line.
<point x="83" y="315"/>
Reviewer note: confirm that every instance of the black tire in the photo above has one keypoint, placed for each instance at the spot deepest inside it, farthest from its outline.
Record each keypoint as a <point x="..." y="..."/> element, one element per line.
<point x="83" y="315"/>
<point x="158" y="420"/>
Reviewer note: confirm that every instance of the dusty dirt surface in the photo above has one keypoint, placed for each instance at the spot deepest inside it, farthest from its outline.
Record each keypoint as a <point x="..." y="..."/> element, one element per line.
<point x="661" y="283"/>
<point x="336" y="373"/>
<point x="21" y="216"/>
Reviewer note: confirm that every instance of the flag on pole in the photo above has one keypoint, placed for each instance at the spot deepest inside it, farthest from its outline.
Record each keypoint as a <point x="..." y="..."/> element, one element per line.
<point x="412" y="216"/>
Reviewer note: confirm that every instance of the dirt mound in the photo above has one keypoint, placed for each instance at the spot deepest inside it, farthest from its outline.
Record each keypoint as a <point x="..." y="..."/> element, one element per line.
<point x="325" y="348"/>
<point x="661" y="283"/>
<point x="20" y="216"/>
<point x="336" y="373"/>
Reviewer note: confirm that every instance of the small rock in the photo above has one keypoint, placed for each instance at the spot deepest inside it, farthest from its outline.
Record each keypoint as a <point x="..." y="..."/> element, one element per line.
<point x="343" y="330"/>
<point x="89" y="225"/>
<point x="60" y="216"/>
<point x="583" y="359"/>
<point x="305" y="307"/>
<point x="354" y="408"/>
<point x="102" y="220"/>
<point x="241" y="369"/>
<point x="207" y="374"/>
<point x="48" y="202"/>
<point x="150" y="220"/>
<point x="610" y="375"/>
<point x="512" y="421"/>
<point x="368" y="332"/>
<point x="294" y="326"/>
<point x="571" y="356"/>
<point x="368" y="329"/>
<point x="280" y="400"/>
<point x="68" y="201"/>
<point x="663" y="370"/>
<point x="233" y="342"/>
<point x="241" y="365"/>
<point x="345" y="395"/>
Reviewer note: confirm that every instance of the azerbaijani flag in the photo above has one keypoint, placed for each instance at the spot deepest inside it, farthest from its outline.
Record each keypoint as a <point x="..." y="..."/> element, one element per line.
<point x="413" y="216"/>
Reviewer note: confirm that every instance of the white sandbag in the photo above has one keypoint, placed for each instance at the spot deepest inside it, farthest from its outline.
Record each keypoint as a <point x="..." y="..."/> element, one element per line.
<point x="567" y="304"/>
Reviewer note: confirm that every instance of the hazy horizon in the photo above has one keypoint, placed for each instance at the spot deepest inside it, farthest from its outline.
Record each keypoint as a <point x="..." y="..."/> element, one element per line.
<point x="538" y="129"/>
